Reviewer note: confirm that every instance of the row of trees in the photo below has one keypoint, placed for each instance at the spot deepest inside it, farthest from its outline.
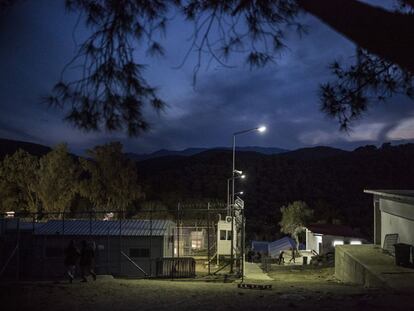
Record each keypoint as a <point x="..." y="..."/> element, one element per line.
<point x="107" y="180"/>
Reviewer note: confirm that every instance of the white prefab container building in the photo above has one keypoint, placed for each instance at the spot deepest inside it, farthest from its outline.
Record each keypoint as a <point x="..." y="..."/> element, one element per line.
<point x="224" y="236"/>
<point x="128" y="248"/>
<point x="393" y="214"/>
<point x="322" y="238"/>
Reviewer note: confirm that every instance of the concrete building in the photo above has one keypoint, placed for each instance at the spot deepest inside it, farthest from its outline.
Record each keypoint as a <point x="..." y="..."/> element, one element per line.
<point x="393" y="213"/>
<point x="370" y="265"/>
<point x="322" y="238"/>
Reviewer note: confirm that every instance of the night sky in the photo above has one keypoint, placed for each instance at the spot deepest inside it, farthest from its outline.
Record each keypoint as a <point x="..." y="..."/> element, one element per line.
<point x="37" y="40"/>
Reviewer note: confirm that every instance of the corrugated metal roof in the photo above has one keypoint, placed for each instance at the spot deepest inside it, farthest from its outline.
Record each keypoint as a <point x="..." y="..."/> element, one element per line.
<point x="14" y="224"/>
<point x="130" y="227"/>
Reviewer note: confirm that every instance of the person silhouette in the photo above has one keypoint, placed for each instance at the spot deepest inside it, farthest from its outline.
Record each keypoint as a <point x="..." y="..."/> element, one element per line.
<point x="71" y="259"/>
<point x="87" y="261"/>
<point x="293" y="255"/>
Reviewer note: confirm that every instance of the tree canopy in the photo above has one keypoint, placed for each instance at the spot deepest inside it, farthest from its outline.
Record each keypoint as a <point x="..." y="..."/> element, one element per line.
<point x="58" y="178"/>
<point x="295" y="217"/>
<point x="112" y="91"/>
<point x="18" y="182"/>
<point x="112" y="180"/>
<point x="58" y="182"/>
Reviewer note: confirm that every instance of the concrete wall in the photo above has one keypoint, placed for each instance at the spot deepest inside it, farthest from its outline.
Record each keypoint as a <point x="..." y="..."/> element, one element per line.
<point x="397" y="217"/>
<point x="349" y="270"/>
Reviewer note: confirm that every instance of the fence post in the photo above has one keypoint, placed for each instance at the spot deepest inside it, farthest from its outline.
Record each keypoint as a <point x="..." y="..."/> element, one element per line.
<point x="178" y="230"/>
<point x="208" y="237"/>
<point x="150" y="252"/>
<point x="18" y="250"/>
<point x="120" y="244"/>
<point x="90" y="224"/>
<point x="172" y="251"/>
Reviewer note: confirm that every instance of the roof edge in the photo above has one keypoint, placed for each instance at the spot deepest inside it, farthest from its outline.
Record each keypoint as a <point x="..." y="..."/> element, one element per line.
<point x="392" y="194"/>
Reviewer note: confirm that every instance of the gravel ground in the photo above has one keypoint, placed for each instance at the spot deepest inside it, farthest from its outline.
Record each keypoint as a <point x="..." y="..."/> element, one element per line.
<point x="292" y="289"/>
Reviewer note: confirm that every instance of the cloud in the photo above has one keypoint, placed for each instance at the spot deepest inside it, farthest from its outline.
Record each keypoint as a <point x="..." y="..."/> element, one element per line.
<point x="284" y="96"/>
<point x="404" y="130"/>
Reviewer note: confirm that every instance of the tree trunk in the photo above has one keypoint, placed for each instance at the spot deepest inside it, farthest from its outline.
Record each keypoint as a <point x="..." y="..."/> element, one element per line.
<point x="389" y="35"/>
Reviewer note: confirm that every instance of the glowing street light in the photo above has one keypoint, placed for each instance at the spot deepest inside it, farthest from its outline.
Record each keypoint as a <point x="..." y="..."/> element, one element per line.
<point x="242" y="176"/>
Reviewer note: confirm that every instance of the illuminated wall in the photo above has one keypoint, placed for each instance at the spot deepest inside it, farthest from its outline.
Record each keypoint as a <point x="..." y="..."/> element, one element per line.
<point x="397" y="217"/>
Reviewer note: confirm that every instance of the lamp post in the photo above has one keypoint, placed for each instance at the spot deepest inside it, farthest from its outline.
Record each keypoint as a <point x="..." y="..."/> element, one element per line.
<point x="260" y="129"/>
<point x="242" y="176"/>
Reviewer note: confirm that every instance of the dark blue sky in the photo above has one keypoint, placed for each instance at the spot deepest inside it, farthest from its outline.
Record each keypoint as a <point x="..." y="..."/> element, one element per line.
<point x="36" y="42"/>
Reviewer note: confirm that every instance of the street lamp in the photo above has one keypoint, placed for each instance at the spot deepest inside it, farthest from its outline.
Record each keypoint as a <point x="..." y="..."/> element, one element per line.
<point x="242" y="176"/>
<point x="260" y="129"/>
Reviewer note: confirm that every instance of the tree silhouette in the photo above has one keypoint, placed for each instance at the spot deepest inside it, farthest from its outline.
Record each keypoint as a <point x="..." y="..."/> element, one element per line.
<point x="58" y="176"/>
<point x="19" y="181"/>
<point x="111" y="92"/>
<point x="370" y="79"/>
<point x="295" y="217"/>
<point x="111" y="181"/>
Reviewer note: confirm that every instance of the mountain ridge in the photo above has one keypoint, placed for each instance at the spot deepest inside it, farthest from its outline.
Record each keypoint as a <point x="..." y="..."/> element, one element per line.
<point x="195" y="150"/>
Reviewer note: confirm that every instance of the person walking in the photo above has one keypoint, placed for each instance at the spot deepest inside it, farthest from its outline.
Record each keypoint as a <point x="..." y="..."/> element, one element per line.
<point x="281" y="259"/>
<point x="293" y="255"/>
<point x="87" y="261"/>
<point x="71" y="259"/>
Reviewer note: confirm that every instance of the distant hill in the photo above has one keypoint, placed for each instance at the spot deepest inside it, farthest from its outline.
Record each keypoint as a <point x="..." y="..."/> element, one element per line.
<point x="330" y="180"/>
<point x="193" y="151"/>
<point x="8" y="146"/>
<point x="313" y="153"/>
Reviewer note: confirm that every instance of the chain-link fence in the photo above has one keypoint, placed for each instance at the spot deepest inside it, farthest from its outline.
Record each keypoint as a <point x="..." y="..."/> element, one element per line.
<point x="181" y="243"/>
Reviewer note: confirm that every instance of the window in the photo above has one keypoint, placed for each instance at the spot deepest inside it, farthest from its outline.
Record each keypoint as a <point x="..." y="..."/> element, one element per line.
<point x="139" y="252"/>
<point x="222" y="235"/>
<point x="196" y="244"/>
<point x="356" y="242"/>
<point x="229" y="235"/>
<point x="338" y="242"/>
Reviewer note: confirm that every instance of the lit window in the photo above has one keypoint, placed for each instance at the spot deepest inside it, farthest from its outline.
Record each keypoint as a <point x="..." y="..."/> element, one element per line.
<point x="338" y="242"/>
<point x="355" y="242"/>
<point x="196" y="244"/>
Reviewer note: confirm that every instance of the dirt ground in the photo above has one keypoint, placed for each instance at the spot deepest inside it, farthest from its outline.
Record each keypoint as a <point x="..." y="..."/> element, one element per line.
<point x="292" y="289"/>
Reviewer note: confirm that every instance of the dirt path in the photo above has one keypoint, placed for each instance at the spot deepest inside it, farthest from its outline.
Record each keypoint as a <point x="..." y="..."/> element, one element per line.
<point x="254" y="272"/>
<point x="290" y="291"/>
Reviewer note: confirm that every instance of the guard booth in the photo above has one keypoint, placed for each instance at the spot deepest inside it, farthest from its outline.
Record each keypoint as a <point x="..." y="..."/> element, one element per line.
<point x="225" y="235"/>
<point x="228" y="230"/>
